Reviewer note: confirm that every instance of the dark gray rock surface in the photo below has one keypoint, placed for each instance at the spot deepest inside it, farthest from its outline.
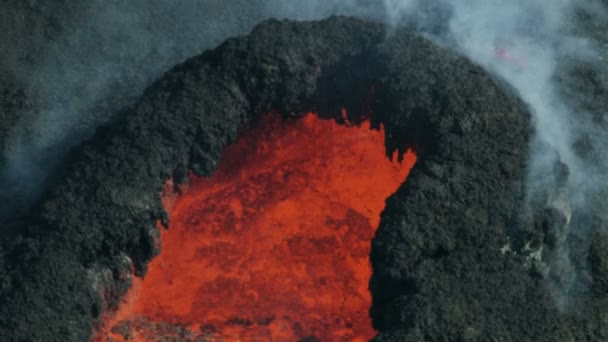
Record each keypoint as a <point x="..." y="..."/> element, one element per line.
<point x="67" y="67"/>
<point x="441" y="272"/>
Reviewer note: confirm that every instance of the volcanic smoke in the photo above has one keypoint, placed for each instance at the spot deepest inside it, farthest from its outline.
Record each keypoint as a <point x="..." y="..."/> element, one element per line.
<point x="275" y="245"/>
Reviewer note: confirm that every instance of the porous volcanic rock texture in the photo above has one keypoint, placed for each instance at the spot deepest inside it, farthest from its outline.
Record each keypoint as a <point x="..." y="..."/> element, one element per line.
<point x="68" y="66"/>
<point x="441" y="272"/>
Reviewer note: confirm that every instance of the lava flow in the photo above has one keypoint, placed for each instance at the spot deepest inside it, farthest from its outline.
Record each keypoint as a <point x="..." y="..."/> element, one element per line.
<point x="275" y="245"/>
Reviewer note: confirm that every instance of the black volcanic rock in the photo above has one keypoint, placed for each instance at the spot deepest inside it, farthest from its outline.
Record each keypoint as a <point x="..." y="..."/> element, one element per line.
<point x="67" y="66"/>
<point x="441" y="269"/>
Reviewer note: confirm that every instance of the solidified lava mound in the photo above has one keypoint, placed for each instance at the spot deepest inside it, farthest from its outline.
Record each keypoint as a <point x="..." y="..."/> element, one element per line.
<point x="440" y="269"/>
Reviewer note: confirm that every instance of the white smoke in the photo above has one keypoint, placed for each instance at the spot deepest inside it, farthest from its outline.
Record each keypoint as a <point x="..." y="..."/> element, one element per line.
<point x="534" y="33"/>
<point x="523" y="41"/>
<point x="103" y="57"/>
<point x="527" y="43"/>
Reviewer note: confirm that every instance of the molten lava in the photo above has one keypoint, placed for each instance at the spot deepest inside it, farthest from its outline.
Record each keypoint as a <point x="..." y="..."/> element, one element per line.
<point x="275" y="245"/>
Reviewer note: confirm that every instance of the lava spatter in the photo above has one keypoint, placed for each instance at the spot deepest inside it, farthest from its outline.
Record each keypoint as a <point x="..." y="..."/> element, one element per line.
<point x="275" y="245"/>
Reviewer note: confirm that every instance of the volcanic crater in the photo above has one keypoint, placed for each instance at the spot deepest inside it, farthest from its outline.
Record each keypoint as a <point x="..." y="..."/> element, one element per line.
<point x="439" y="269"/>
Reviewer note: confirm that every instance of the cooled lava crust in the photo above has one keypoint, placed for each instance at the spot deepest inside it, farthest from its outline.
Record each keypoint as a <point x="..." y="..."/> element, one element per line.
<point x="439" y="271"/>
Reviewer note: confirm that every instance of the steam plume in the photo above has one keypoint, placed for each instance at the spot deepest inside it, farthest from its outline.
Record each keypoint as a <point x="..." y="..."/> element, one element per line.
<point x="526" y="42"/>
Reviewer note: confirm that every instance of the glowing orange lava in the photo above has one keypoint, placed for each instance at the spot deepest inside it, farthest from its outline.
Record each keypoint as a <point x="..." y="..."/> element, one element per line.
<point x="275" y="245"/>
